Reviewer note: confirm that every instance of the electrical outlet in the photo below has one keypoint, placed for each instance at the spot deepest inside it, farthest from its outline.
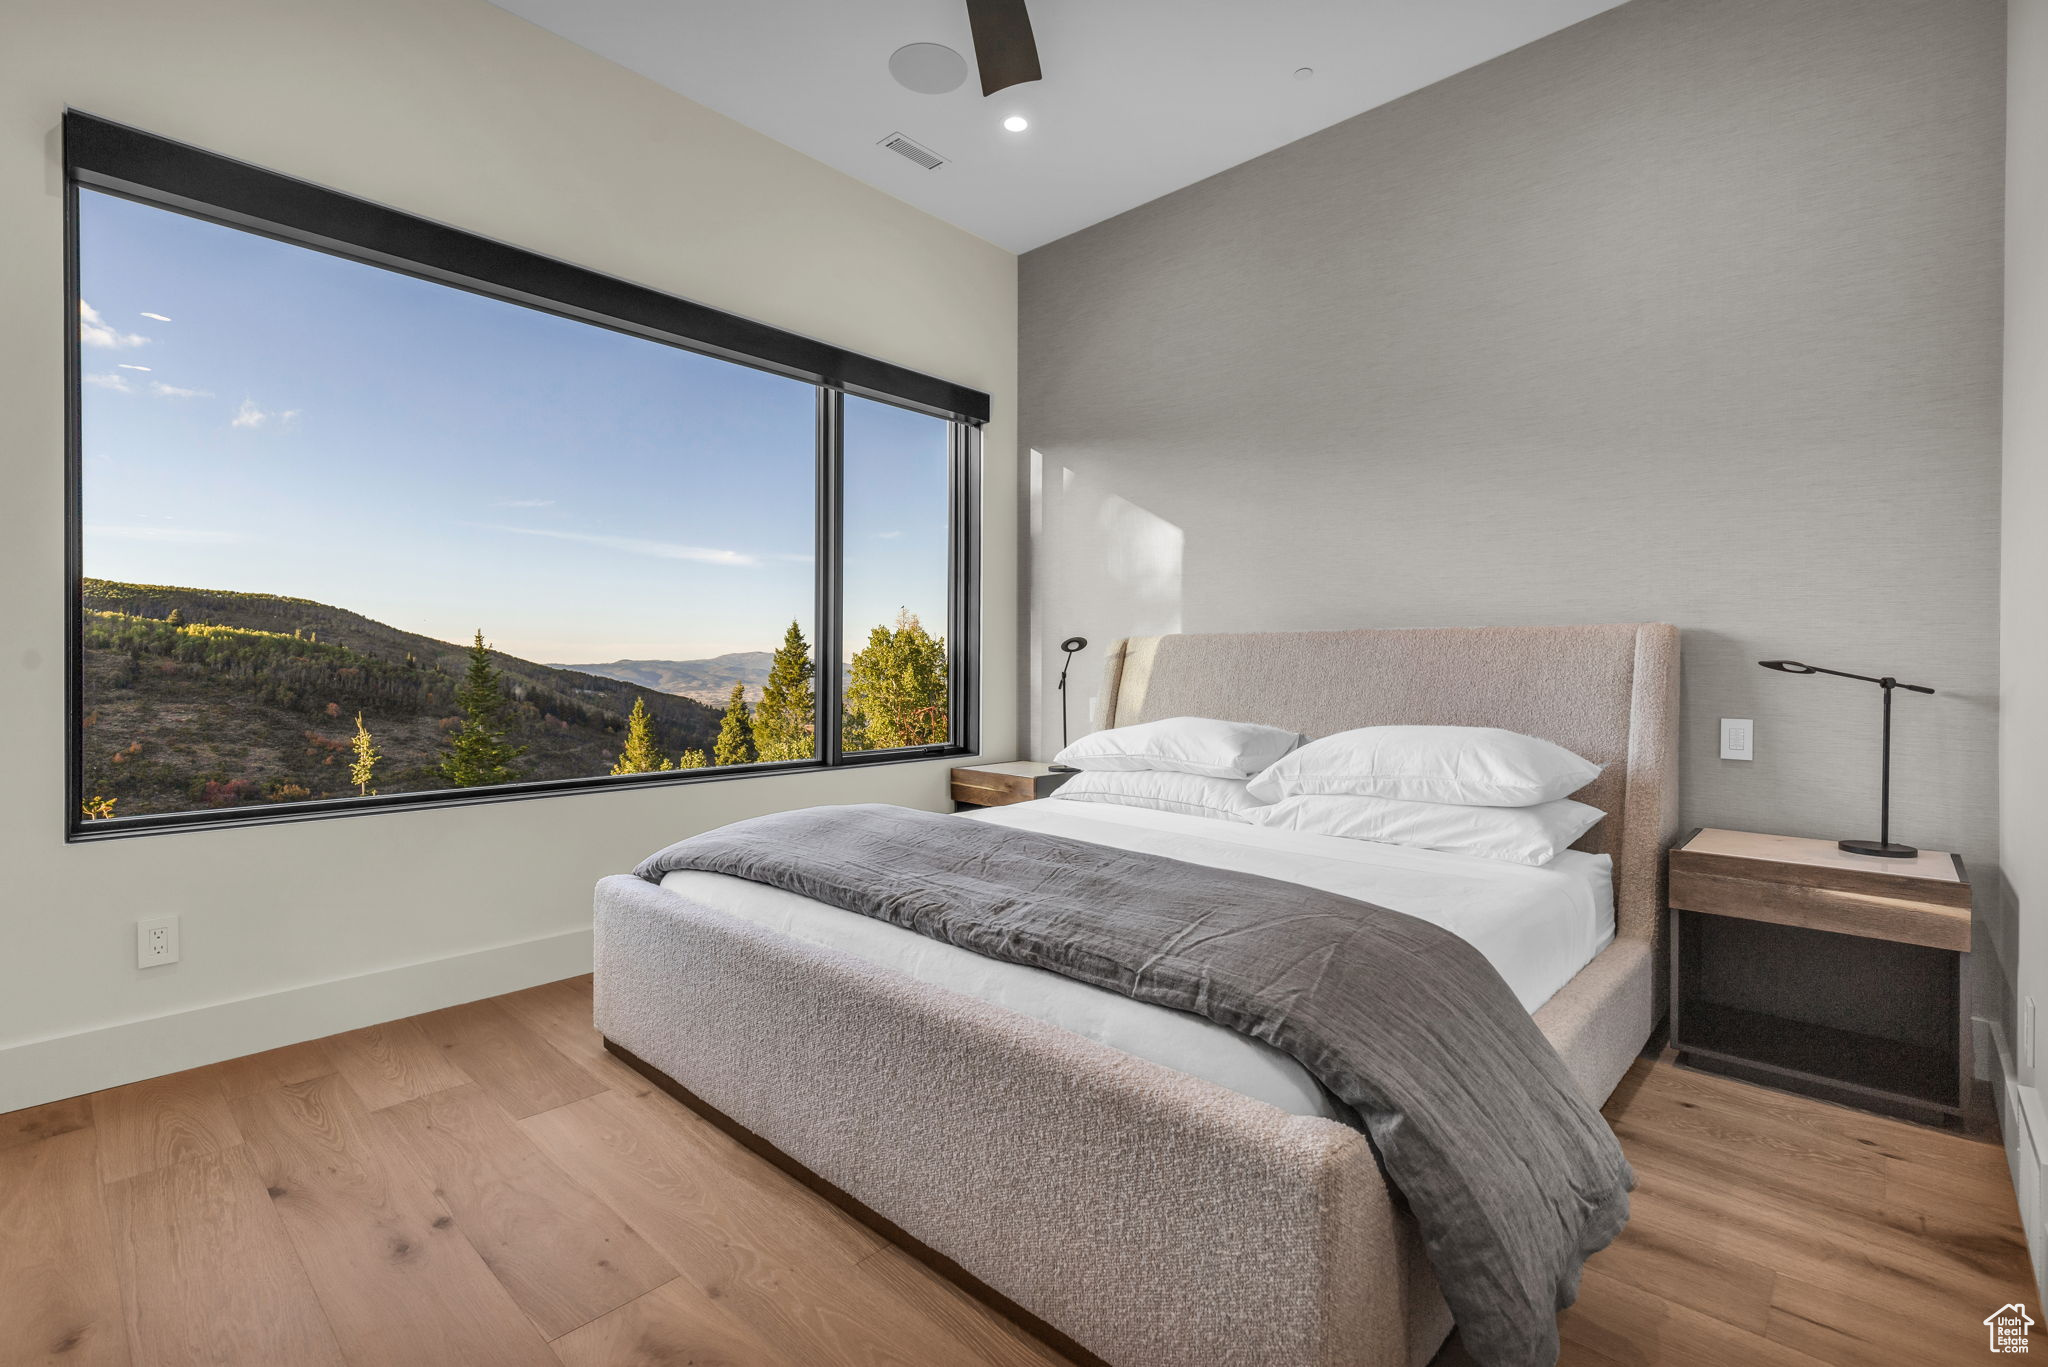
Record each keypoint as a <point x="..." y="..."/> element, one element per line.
<point x="1738" y="738"/>
<point x="156" y="941"/>
<point x="2027" y="1038"/>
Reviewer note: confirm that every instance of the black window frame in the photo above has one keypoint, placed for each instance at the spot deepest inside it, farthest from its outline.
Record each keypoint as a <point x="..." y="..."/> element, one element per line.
<point x="115" y="159"/>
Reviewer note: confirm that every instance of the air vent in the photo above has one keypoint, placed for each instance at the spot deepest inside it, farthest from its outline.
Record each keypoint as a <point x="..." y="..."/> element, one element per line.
<point x="922" y="155"/>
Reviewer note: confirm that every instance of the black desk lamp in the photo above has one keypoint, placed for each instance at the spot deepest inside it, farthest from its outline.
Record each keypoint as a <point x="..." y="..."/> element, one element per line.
<point x="1070" y="645"/>
<point x="1881" y="847"/>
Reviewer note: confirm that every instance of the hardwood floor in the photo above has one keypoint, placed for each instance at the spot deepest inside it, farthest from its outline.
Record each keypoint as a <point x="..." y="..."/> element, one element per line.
<point x="487" y="1185"/>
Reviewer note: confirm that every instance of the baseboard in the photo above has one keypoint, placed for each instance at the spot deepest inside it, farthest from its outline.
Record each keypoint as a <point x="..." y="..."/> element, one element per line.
<point x="2023" y="1123"/>
<point x="67" y="1065"/>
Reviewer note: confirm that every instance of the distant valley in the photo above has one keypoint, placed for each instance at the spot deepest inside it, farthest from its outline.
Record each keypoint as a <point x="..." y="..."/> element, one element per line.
<point x="707" y="681"/>
<point x="212" y="698"/>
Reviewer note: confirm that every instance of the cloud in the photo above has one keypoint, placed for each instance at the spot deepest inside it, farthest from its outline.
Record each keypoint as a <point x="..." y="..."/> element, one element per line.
<point x="94" y="330"/>
<point x="249" y="415"/>
<point x="524" y="503"/>
<point x="158" y="316"/>
<point x="123" y="365"/>
<point x="189" y="536"/>
<point x="887" y="536"/>
<point x="659" y="550"/>
<point x="121" y="384"/>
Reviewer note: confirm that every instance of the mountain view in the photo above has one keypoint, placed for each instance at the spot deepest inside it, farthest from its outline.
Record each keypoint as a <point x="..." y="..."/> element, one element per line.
<point x="205" y="698"/>
<point x="708" y="681"/>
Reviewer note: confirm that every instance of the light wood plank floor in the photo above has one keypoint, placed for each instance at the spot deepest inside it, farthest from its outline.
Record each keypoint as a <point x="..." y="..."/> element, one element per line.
<point x="486" y="1185"/>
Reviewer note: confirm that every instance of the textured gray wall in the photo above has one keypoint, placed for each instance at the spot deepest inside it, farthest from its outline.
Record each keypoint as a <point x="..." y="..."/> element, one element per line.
<point x="1688" y="313"/>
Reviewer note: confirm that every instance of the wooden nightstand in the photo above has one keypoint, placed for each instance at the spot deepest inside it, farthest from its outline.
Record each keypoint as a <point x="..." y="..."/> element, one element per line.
<point x="999" y="785"/>
<point x="1797" y="965"/>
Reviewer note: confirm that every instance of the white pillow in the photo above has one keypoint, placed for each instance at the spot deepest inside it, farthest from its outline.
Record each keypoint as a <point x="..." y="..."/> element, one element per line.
<point x="1183" y="745"/>
<point x="1520" y="835"/>
<point x="1161" y="790"/>
<point x="1474" y="766"/>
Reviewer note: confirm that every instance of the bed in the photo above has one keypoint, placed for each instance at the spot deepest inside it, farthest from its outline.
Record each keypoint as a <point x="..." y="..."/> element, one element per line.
<point x="1162" y="1191"/>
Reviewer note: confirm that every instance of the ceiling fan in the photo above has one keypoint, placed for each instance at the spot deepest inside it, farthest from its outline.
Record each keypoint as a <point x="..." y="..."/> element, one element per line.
<point x="1003" y="46"/>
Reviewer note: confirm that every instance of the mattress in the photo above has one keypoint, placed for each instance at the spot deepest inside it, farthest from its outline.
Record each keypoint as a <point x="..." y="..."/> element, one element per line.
<point x="1537" y="926"/>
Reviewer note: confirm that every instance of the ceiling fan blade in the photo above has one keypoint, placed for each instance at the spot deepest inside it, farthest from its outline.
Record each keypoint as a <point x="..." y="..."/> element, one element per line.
<point x="1003" y="45"/>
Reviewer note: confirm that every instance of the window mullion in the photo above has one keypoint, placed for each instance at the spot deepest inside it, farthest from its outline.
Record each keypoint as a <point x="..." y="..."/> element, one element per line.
<point x="831" y="577"/>
<point x="963" y="591"/>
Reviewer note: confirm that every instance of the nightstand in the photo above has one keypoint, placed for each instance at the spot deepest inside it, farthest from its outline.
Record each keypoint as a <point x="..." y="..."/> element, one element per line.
<point x="1799" y="966"/>
<point x="999" y="785"/>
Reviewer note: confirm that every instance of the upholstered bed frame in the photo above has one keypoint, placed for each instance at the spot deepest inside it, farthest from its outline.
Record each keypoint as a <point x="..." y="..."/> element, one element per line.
<point x="1154" y="1219"/>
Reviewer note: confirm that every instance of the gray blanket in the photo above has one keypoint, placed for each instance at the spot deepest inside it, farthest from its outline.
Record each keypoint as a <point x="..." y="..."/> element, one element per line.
<point x="1512" y="1177"/>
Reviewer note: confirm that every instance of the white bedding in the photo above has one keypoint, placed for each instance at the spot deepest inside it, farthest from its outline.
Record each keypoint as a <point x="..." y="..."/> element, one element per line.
<point x="1537" y="926"/>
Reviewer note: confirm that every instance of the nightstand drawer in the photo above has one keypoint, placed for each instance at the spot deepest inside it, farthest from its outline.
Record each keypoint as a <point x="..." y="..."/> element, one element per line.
<point x="1832" y="909"/>
<point x="1000" y="785"/>
<point x="992" y="792"/>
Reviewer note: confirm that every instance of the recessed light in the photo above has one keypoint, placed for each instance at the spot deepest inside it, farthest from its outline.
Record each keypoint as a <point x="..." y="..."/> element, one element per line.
<point x="1304" y="73"/>
<point x="1016" y="123"/>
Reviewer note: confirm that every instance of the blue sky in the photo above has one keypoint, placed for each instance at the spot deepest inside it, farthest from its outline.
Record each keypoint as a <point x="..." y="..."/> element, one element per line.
<point x="265" y="418"/>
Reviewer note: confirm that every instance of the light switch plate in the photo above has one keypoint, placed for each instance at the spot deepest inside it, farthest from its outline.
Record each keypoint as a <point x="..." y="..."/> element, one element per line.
<point x="1738" y="738"/>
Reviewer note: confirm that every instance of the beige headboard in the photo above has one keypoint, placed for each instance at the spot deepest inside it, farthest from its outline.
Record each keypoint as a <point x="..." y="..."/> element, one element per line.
<point x="1609" y="693"/>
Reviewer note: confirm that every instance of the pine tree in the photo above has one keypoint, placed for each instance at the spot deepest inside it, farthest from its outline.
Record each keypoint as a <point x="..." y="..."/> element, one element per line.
<point x="639" y="756"/>
<point x="736" y="733"/>
<point x="785" y="719"/>
<point x="363" y="772"/>
<point x="692" y="759"/>
<point x="479" y="753"/>
<point x="174" y="618"/>
<point x="896" y="689"/>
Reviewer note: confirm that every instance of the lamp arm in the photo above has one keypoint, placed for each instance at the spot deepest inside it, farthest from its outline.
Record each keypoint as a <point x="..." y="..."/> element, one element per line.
<point x="1844" y="674"/>
<point x="1885" y="683"/>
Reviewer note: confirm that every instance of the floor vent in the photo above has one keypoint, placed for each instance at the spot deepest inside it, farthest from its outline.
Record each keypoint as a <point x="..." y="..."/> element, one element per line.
<point x="917" y="152"/>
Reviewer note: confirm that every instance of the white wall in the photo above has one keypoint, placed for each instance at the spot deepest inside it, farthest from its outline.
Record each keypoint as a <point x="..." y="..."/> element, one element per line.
<point x="457" y="111"/>
<point x="2023" y="613"/>
<point x="2023" y="570"/>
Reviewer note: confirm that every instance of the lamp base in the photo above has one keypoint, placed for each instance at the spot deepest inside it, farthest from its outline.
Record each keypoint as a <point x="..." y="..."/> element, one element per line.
<point x="1876" y="849"/>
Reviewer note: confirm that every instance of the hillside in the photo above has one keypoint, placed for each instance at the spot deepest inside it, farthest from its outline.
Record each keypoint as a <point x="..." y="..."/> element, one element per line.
<point x="708" y="681"/>
<point x="253" y="699"/>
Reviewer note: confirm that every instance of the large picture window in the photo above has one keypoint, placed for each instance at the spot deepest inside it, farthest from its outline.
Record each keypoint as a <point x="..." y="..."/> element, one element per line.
<point x="369" y="512"/>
